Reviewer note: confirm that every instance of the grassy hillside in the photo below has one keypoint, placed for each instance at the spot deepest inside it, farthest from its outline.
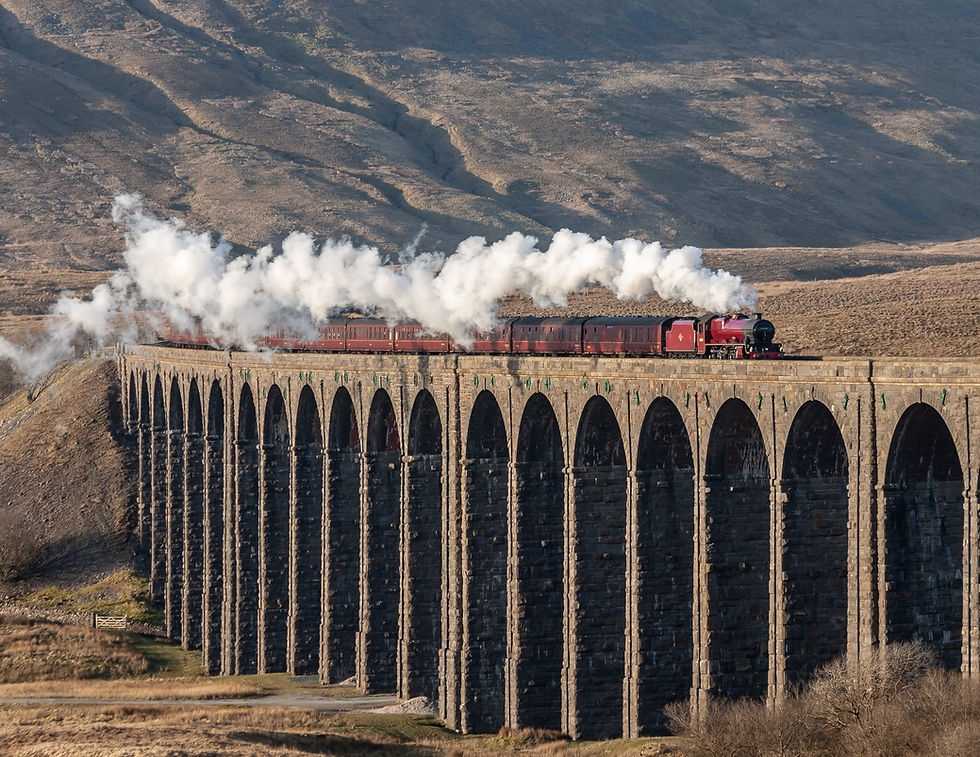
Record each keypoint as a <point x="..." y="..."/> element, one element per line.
<point x="63" y="480"/>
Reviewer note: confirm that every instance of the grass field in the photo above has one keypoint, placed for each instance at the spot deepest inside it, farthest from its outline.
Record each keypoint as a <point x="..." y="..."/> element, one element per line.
<point x="132" y="694"/>
<point x="149" y="730"/>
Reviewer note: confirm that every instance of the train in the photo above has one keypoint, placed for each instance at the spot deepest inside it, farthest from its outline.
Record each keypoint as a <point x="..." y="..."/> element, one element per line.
<point x="739" y="336"/>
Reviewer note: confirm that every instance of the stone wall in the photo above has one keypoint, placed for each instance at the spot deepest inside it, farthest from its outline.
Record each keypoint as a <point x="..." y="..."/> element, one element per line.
<point x="341" y="576"/>
<point x="192" y="597"/>
<point x="245" y="610"/>
<point x="484" y="534"/>
<point x="422" y="543"/>
<point x="306" y="562"/>
<point x="213" y="557"/>
<point x="377" y="668"/>
<point x="173" y="588"/>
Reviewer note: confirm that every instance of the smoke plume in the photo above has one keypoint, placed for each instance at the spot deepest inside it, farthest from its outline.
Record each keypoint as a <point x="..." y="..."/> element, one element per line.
<point x="192" y="277"/>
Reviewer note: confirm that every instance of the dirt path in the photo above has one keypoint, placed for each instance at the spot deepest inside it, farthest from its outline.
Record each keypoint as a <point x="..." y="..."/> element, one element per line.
<point x="286" y="700"/>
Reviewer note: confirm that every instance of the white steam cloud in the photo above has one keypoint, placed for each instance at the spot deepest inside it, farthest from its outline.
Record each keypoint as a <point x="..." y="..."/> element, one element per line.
<point x="191" y="277"/>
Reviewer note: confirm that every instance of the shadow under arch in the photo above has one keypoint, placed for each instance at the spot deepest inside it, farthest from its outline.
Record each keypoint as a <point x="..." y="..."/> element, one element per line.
<point x="814" y="545"/>
<point x="274" y="535"/>
<point x="133" y="403"/>
<point x="145" y="495"/>
<point x="424" y="543"/>
<point x="485" y="496"/>
<point x="173" y="590"/>
<point x="193" y="521"/>
<point x="134" y="465"/>
<point x="738" y="488"/>
<point x="665" y="495"/>
<point x="214" y="525"/>
<point x="381" y="572"/>
<point x="306" y="556"/>
<point x="342" y="550"/>
<point x="158" y="494"/>
<point x="540" y="522"/>
<point x="924" y="535"/>
<point x="246" y="608"/>
<point x="599" y="552"/>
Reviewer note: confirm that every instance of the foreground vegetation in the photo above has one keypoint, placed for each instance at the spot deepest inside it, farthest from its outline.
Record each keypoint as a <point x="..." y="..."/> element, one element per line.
<point x="132" y="695"/>
<point x="155" y="730"/>
<point x="42" y="651"/>
<point x="139" y="695"/>
<point x="898" y="705"/>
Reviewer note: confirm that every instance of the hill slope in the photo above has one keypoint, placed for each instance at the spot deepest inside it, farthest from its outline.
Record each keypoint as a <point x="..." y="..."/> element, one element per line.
<point x="716" y="122"/>
<point x="64" y="477"/>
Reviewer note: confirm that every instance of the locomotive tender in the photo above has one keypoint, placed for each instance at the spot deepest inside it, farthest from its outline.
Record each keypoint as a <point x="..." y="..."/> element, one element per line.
<point x="738" y="336"/>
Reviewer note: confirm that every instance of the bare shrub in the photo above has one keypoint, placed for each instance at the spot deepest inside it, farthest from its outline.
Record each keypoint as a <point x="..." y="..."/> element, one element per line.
<point x="748" y="727"/>
<point x="962" y="740"/>
<point x="844" y="696"/>
<point x="896" y="704"/>
<point x="679" y="716"/>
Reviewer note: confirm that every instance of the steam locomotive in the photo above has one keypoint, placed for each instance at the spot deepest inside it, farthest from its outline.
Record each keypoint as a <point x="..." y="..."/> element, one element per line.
<point x="737" y="337"/>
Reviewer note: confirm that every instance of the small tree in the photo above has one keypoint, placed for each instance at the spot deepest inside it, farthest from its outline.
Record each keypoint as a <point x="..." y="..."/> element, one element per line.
<point x="843" y="697"/>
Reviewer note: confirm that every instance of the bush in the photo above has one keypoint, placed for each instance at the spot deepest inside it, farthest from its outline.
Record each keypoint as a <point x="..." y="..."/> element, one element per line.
<point x="896" y="704"/>
<point x="844" y="697"/>
<point x="748" y="727"/>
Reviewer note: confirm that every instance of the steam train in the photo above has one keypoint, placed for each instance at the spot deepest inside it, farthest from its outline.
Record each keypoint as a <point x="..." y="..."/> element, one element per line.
<point x="738" y="337"/>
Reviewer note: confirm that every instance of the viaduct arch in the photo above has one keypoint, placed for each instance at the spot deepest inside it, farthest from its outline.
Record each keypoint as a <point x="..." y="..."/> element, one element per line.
<point x="567" y="543"/>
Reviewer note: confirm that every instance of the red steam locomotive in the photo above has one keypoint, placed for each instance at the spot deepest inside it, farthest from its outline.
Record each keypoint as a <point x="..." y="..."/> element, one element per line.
<point x="737" y="336"/>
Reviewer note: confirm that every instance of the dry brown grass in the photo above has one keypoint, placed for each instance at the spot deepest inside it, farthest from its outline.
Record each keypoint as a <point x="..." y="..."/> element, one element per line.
<point x="38" y="650"/>
<point x="64" y="470"/>
<point x="31" y="731"/>
<point x="150" y="730"/>
<point x="151" y="689"/>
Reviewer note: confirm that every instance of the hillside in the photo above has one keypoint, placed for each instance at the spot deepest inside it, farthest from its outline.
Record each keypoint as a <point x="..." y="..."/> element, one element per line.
<point x="63" y="472"/>
<point x="717" y="122"/>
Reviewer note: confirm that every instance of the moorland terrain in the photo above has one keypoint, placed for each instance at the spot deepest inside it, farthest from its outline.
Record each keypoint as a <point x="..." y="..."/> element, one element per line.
<point x="790" y="126"/>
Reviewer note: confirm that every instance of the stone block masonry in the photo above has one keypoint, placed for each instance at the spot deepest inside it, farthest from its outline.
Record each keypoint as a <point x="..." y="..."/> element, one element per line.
<point x="341" y="576"/>
<point x="562" y="543"/>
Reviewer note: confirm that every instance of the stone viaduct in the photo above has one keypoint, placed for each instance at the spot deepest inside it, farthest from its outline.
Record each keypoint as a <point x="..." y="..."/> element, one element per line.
<point x="562" y="543"/>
